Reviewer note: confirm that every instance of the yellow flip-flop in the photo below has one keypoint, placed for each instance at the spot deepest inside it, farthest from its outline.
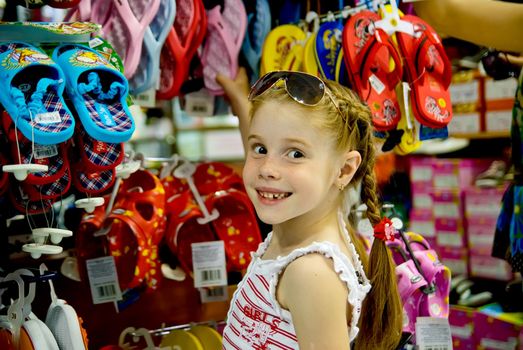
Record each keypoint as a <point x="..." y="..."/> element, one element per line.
<point x="180" y="339"/>
<point x="410" y="139"/>
<point x="294" y="59"/>
<point x="278" y="45"/>
<point x="208" y="337"/>
<point x="309" y="63"/>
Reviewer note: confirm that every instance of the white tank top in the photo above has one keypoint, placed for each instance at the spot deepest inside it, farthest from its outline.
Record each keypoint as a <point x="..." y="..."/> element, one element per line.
<point x="255" y="319"/>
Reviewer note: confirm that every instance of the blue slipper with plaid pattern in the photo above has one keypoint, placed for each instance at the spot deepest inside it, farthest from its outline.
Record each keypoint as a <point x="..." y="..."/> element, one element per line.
<point x="98" y="91"/>
<point x="32" y="94"/>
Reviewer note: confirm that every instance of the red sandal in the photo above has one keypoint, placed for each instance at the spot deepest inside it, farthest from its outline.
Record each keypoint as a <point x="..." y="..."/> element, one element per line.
<point x="428" y="72"/>
<point x="236" y="225"/>
<point x="136" y="227"/>
<point x="368" y="52"/>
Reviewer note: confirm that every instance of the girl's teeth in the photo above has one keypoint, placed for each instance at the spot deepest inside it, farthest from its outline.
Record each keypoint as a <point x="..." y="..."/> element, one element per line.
<point x="272" y="195"/>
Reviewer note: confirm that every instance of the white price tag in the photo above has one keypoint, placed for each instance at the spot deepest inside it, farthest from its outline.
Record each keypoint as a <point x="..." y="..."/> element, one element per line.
<point x="146" y="99"/>
<point x="45" y="151"/>
<point x="103" y="280"/>
<point x="199" y="104"/>
<point x="95" y="42"/>
<point x="406" y="104"/>
<point x="209" y="264"/>
<point x="210" y="295"/>
<point x="433" y="333"/>
<point x="48" y="118"/>
<point x="376" y="84"/>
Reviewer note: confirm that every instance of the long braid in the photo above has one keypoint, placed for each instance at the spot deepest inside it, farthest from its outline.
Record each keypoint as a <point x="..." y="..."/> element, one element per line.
<point x="381" y="320"/>
<point x="381" y="317"/>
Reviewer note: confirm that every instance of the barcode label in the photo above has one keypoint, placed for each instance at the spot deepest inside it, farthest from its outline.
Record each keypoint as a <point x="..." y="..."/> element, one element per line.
<point x="108" y="290"/>
<point x="146" y="99"/>
<point x="214" y="294"/>
<point x="209" y="264"/>
<point x="211" y="275"/>
<point x="42" y="152"/>
<point x="199" y="103"/>
<point x="199" y="108"/>
<point x="103" y="280"/>
<point x="48" y="118"/>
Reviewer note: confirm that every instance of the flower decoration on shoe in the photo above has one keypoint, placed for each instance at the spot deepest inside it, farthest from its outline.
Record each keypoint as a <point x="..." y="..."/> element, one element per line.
<point x="384" y="230"/>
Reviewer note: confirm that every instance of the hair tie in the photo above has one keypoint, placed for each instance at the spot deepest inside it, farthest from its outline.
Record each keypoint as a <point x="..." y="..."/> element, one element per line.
<point x="384" y="230"/>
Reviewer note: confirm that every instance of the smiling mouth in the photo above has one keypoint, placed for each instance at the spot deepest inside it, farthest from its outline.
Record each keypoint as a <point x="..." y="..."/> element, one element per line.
<point x="274" y="196"/>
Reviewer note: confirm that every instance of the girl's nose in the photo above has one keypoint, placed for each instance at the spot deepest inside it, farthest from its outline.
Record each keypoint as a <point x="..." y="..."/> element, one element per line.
<point x="268" y="169"/>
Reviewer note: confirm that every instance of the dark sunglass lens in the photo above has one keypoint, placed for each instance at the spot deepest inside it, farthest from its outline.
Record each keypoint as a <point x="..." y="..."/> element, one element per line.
<point x="264" y="83"/>
<point x="305" y="89"/>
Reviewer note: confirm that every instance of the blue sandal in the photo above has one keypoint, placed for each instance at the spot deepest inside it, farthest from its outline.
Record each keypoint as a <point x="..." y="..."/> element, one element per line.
<point x="32" y="94"/>
<point x="98" y="92"/>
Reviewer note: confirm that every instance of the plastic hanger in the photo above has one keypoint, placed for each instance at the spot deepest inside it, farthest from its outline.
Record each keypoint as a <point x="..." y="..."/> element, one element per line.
<point x="21" y="170"/>
<point x="391" y="21"/>
<point x="136" y="334"/>
<point x="40" y="235"/>
<point x="185" y="171"/>
<point x="133" y="163"/>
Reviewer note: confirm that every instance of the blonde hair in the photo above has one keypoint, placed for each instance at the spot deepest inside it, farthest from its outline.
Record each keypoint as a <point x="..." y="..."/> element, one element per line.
<point x="350" y="124"/>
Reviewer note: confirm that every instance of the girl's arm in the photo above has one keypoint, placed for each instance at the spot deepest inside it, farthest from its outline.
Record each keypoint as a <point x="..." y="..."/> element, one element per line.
<point x="489" y="23"/>
<point x="237" y="92"/>
<point x="317" y="300"/>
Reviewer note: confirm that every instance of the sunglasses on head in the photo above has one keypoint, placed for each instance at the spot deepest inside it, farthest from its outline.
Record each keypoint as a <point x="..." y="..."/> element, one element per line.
<point x="306" y="89"/>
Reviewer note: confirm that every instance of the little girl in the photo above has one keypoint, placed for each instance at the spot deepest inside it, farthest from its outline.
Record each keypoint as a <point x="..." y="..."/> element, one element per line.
<point x="308" y="286"/>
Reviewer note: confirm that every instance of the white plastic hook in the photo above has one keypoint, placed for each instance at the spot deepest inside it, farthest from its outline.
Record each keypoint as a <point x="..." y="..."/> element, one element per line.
<point x="124" y="170"/>
<point x="56" y="234"/>
<point x="54" y="298"/>
<point x="14" y="218"/>
<point x="28" y="299"/>
<point x="36" y="250"/>
<point x="312" y="17"/>
<point x="176" y="274"/>
<point x="89" y="204"/>
<point x="169" y="166"/>
<point x="136" y="333"/>
<point x="185" y="171"/>
<point x="391" y="22"/>
<point x="21" y="171"/>
<point x="330" y="17"/>
<point x="129" y="166"/>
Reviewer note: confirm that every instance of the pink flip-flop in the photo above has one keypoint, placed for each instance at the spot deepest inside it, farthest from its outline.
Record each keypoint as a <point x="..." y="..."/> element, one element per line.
<point x="125" y="28"/>
<point x="223" y="44"/>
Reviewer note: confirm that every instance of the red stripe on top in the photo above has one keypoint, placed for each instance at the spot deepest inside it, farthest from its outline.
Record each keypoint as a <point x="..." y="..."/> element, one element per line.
<point x="263" y="281"/>
<point x="226" y="338"/>
<point x="257" y="292"/>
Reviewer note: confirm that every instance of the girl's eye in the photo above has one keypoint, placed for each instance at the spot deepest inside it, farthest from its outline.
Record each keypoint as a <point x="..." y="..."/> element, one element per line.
<point x="259" y="149"/>
<point x="295" y="154"/>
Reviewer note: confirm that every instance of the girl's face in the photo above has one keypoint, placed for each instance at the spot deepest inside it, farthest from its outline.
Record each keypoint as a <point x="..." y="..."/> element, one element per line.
<point x="291" y="166"/>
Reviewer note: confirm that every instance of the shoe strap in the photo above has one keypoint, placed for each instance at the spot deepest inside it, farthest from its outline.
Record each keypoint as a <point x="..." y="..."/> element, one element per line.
<point x="95" y="86"/>
<point x="19" y="99"/>
<point x="36" y="103"/>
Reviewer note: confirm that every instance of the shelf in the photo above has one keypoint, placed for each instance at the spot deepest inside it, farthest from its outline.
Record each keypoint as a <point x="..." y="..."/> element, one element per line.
<point x="483" y="135"/>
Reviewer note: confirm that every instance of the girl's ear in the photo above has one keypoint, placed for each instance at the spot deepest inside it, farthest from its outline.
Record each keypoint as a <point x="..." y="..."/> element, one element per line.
<point x="351" y="162"/>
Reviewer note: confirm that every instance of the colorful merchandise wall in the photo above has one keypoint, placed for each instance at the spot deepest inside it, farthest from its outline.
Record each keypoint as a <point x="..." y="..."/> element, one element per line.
<point x="122" y="160"/>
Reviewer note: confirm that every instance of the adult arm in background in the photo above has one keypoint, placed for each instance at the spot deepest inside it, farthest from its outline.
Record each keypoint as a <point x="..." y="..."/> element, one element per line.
<point x="489" y="23"/>
<point x="237" y="92"/>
